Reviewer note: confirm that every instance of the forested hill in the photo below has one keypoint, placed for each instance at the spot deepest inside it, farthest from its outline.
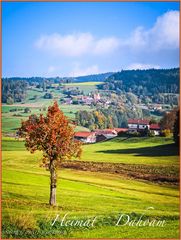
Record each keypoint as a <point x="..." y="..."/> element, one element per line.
<point x="144" y="82"/>
<point x="101" y="77"/>
<point x="93" y="78"/>
<point x="156" y="86"/>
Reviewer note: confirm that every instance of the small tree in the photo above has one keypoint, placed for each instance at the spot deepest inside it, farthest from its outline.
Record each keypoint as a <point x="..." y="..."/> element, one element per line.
<point x="167" y="122"/>
<point x="10" y="100"/>
<point x="27" y="110"/>
<point x="54" y="136"/>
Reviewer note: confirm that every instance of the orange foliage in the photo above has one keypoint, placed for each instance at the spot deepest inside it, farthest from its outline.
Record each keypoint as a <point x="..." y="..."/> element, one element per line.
<point x="52" y="135"/>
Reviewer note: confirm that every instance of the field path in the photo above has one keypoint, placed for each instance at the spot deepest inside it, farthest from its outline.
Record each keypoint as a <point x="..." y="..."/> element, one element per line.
<point x="159" y="174"/>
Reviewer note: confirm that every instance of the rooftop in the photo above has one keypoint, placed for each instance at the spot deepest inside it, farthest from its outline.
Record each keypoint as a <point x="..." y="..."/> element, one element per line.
<point x="138" y="121"/>
<point x="83" y="134"/>
<point x="155" y="126"/>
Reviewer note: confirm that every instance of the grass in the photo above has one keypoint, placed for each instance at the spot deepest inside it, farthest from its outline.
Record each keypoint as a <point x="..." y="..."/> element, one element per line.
<point x="86" y="87"/>
<point x="25" y="193"/>
<point x="83" y="84"/>
<point x="156" y="150"/>
<point x="85" y="194"/>
<point x="12" y="120"/>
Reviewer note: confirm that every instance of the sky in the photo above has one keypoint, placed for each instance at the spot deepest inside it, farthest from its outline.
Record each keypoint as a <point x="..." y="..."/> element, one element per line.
<point x="50" y="39"/>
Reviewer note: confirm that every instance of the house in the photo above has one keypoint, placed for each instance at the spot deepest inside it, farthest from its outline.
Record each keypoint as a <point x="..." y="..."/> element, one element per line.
<point x="85" y="137"/>
<point x="155" y="128"/>
<point x="137" y="125"/>
<point x="96" y="97"/>
<point x="108" y="133"/>
<point x="68" y="101"/>
<point x="100" y="138"/>
<point x="120" y="130"/>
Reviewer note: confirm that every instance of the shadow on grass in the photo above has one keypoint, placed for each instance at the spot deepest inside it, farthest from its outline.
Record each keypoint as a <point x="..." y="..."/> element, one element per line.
<point x="161" y="150"/>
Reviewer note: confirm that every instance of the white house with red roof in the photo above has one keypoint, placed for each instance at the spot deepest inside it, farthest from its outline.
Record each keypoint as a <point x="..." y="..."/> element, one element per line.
<point x="137" y="125"/>
<point x="155" y="128"/>
<point x="85" y="137"/>
<point x="108" y="133"/>
<point x="121" y="130"/>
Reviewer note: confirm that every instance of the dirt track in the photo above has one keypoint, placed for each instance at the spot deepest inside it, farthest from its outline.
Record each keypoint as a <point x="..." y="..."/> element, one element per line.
<point x="153" y="173"/>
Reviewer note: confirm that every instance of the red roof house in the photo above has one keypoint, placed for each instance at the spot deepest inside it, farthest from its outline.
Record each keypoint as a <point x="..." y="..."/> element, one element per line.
<point x="119" y="130"/>
<point x="108" y="133"/>
<point x="138" y="121"/>
<point x="86" y="137"/>
<point x="137" y="125"/>
<point x="155" y="127"/>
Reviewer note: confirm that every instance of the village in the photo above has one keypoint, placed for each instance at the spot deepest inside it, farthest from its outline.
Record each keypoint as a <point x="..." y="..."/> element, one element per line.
<point x="105" y="99"/>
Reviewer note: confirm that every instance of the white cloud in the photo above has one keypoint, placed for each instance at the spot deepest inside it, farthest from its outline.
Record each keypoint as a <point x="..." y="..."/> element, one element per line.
<point x="166" y="30"/>
<point x="163" y="35"/>
<point x="74" y="45"/>
<point x="79" y="71"/>
<point x="154" y="47"/>
<point x="141" y="66"/>
<point x="106" y="45"/>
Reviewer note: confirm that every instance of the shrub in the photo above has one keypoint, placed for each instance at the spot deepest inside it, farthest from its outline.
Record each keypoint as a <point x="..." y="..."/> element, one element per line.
<point x="17" y="115"/>
<point x="13" y="110"/>
<point x="27" y="110"/>
<point x="10" y="100"/>
<point x="151" y="133"/>
<point x="48" y="96"/>
<point x="166" y="133"/>
<point x="134" y="134"/>
<point x="24" y="221"/>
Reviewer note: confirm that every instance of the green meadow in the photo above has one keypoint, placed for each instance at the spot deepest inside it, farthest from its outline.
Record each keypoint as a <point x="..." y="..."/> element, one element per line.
<point x="86" y="87"/>
<point x="12" y="120"/>
<point x="86" y="194"/>
<point x="155" y="150"/>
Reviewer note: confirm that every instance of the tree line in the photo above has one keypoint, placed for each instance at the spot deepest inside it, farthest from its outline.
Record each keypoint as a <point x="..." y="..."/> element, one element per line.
<point x="105" y="118"/>
<point x="154" y="85"/>
<point x="13" y="91"/>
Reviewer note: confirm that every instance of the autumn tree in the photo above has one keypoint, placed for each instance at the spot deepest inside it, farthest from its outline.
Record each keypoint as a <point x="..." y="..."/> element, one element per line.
<point x="54" y="136"/>
<point x="168" y="120"/>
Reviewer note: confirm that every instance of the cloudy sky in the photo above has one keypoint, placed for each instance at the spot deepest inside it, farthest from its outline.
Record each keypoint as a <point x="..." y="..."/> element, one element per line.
<point x="73" y="39"/>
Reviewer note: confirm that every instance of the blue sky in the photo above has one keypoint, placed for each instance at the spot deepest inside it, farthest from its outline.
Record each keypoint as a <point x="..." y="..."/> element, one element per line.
<point x="72" y="39"/>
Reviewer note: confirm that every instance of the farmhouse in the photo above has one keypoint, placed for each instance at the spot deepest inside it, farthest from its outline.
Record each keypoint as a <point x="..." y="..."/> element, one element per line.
<point x="108" y="133"/>
<point x="120" y="130"/>
<point x="85" y="137"/>
<point x="100" y="138"/>
<point x="156" y="129"/>
<point x="138" y="125"/>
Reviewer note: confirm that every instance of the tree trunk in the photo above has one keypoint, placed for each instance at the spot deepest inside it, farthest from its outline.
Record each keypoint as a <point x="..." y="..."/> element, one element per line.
<point x="53" y="181"/>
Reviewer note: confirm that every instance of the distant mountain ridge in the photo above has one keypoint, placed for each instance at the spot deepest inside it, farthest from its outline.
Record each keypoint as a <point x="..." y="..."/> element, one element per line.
<point x="153" y="85"/>
<point x="101" y="77"/>
<point x="124" y="75"/>
<point x="155" y="80"/>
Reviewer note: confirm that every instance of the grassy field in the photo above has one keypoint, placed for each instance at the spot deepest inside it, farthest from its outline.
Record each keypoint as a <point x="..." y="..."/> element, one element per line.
<point x="86" y="87"/>
<point x="156" y="150"/>
<point x="84" y="194"/>
<point x="87" y="193"/>
<point x="83" y="84"/>
<point x="12" y="120"/>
